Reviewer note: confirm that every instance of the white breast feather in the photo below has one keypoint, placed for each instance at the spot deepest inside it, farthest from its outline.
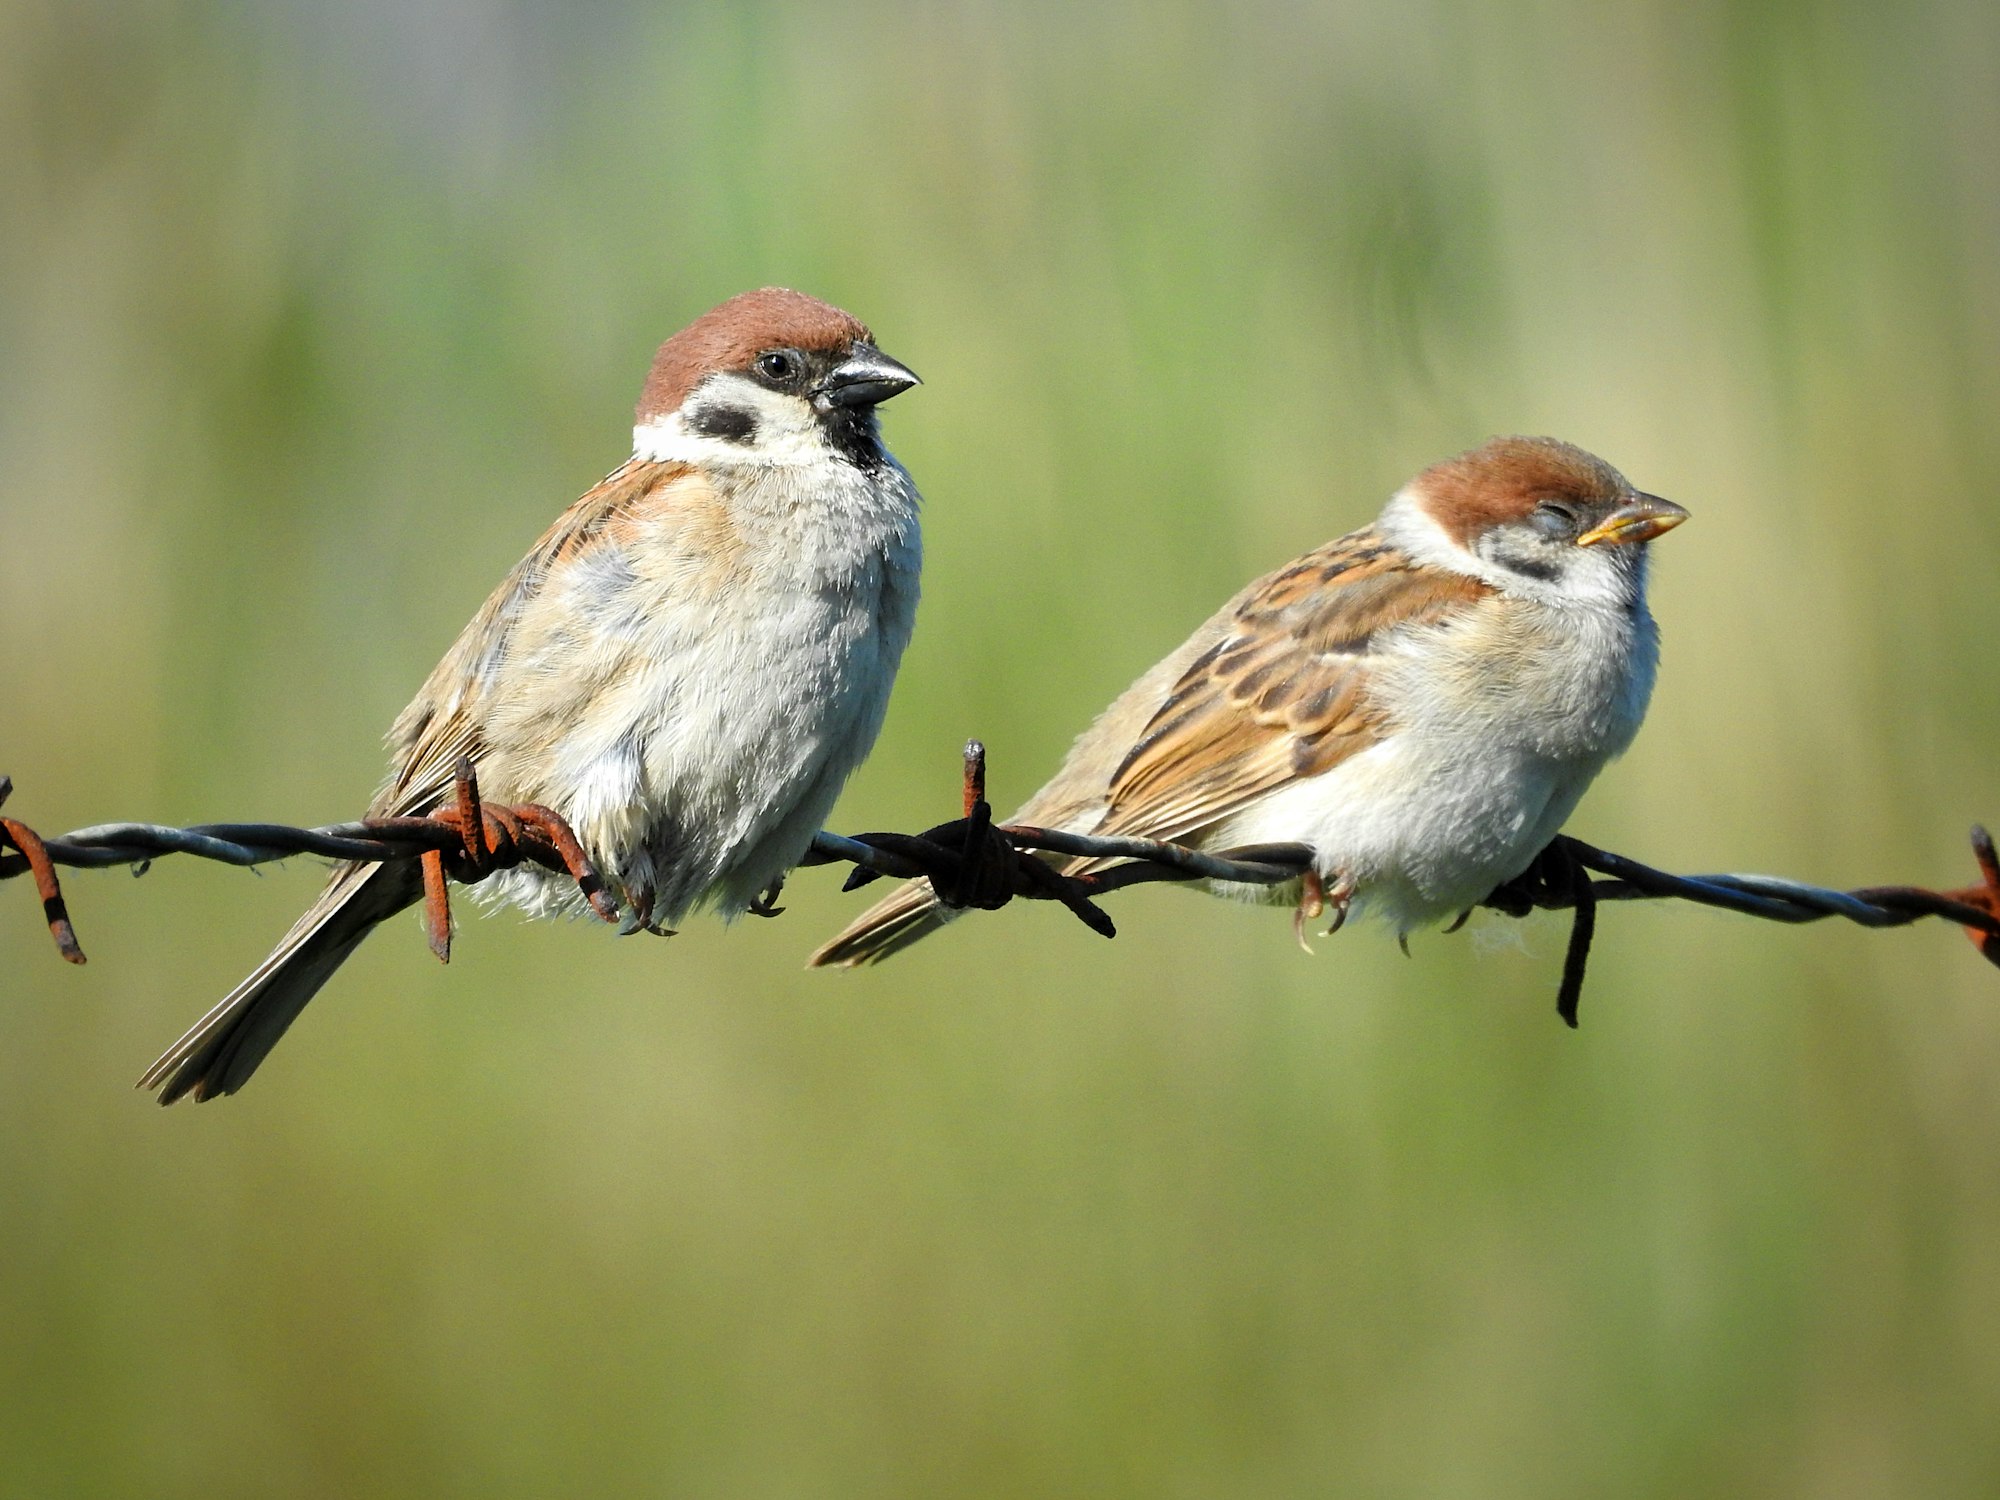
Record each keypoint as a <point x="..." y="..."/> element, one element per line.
<point x="723" y="721"/>
<point x="1498" y="723"/>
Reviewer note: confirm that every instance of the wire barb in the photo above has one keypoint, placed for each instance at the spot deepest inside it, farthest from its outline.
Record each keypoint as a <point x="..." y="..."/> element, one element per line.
<point x="1985" y="896"/>
<point x="1576" y="957"/>
<point x="466" y="842"/>
<point x="970" y="862"/>
<point x="1559" y="879"/>
<point x="35" y="855"/>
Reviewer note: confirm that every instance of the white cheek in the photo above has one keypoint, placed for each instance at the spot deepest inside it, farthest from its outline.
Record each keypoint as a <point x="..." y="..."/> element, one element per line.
<point x="1590" y="575"/>
<point x="788" y="431"/>
<point x="1405" y="522"/>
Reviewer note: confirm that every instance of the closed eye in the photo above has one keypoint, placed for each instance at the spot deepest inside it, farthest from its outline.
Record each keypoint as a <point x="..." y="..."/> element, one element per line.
<point x="1554" y="520"/>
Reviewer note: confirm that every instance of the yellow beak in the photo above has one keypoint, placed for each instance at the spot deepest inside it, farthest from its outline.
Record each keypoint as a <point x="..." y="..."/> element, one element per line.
<point x="1640" y="520"/>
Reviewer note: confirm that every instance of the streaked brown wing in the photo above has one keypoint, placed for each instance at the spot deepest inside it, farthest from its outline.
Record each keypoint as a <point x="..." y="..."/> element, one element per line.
<point x="1274" y="686"/>
<point x="1284" y="694"/>
<point x="442" y="722"/>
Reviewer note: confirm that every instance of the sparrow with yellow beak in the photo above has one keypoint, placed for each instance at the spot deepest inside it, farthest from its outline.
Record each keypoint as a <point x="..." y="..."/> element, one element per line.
<point x="1421" y="702"/>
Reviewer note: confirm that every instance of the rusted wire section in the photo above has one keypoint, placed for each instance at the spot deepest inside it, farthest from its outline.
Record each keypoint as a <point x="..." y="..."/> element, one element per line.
<point x="34" y="857"/>
<point x="492" y="837"/>
<point x="974" y="862"/>
<point x="466" y="842"/>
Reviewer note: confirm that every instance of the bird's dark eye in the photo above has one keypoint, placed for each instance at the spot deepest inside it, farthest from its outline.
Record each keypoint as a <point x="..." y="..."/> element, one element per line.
<point x="1553" y="520"/>
<point x="780" y="365"/>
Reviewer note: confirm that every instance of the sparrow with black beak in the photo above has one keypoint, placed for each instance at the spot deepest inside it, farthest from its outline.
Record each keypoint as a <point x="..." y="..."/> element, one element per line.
<point x="686" y="666"/>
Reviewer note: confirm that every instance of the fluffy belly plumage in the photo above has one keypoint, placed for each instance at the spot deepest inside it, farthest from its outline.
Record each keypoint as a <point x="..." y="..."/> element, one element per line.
<point x="1420" y="832"/>
<point x="684" y="797"/>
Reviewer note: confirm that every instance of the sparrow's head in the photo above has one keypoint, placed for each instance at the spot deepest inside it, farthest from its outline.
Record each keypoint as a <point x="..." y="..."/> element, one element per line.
<point x="768" y="377"/>
<point x="1533" y="515"/>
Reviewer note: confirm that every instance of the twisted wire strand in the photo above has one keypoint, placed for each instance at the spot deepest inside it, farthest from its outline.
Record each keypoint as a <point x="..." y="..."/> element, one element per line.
<point x="976" y="862"/>
<point x="1770" y="897"/>
<point x="1778" y="899"/>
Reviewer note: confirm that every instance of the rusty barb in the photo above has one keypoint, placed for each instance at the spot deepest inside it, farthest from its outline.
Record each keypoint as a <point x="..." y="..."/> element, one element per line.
<point x="34" y="858"/>
<point x="974" y="862"/>
<point x="466" y="842"/>
<point x="493" y="837"/>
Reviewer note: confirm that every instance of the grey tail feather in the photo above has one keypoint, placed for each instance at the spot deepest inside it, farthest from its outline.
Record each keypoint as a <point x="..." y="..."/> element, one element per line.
<point x="221" y="1050"/>
<point x="905" y="915"/>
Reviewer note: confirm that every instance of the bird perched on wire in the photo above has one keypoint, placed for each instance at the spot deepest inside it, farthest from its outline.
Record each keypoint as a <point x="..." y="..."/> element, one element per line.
<point x="686" y="666"/>
<point x="1422" y="702"/>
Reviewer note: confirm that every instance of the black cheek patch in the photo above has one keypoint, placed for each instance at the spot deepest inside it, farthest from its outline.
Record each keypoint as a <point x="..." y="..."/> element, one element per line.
<point x="1533" y="567"/>
<point x="1518" y="555"/>
<point x="733" y="424"/>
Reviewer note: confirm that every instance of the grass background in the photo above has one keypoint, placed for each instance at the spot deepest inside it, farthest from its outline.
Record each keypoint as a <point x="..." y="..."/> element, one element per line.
<point x="311" y="317"/>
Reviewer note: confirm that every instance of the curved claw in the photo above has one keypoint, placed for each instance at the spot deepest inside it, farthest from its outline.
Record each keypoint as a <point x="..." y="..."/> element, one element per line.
<point x="766" y="904"/>
<point x="1341" y="899"/>
<point x="1312" y="901"/>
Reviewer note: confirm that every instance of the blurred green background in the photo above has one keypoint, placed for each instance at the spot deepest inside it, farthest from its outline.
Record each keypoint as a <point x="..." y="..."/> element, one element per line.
<point x="311" y="317"/>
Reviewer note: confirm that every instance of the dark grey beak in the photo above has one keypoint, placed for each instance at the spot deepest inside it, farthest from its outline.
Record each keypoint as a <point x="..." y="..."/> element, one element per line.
<point x="864" y="378"/>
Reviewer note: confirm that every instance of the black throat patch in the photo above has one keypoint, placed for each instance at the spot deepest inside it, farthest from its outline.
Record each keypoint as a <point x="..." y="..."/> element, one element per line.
<point x="852" y="433"/>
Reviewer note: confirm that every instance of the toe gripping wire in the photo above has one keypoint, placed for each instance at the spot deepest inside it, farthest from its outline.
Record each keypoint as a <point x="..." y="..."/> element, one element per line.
<point x="493" y="837"/>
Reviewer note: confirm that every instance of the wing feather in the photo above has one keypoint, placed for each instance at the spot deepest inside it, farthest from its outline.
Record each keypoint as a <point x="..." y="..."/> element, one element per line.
<point x="442" y="724"/>
<point x="1284" y="694"/>
<point x="1272" y="688"/>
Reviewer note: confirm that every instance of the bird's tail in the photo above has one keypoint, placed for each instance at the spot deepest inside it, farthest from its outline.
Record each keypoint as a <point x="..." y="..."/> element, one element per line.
<point x="899" y="919"/>
<point x="223" y="1048"/>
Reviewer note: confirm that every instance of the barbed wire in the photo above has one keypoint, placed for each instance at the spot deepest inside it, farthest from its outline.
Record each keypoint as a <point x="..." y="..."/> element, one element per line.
<point x="465" y="841"/>
<point x="972" y="862"/>
<point x="1559" y="880"/>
